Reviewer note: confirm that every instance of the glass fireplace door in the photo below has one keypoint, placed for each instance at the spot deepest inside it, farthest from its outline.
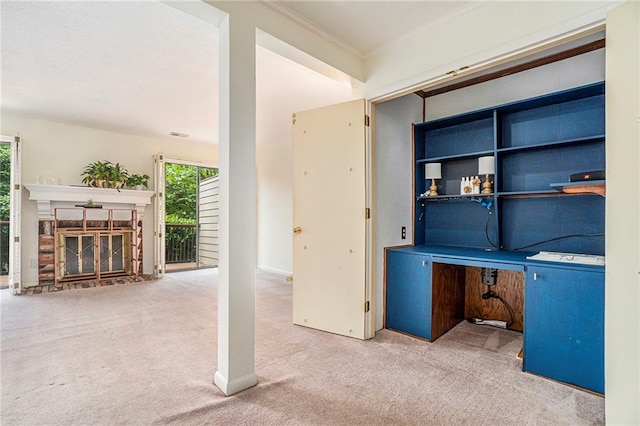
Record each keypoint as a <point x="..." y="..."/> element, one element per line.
<point x="93" y="255"/>
<point x="112" y="253"/>
<point x="79" y="256"/>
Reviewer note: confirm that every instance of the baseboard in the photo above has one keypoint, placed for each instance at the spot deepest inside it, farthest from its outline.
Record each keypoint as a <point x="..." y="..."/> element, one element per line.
<point x="274" y="270"/>
<point x="235" y="386"/>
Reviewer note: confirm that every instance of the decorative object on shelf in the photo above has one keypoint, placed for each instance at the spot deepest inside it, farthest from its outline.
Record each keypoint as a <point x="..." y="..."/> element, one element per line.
<point x="105" y="174"/>
<point x="47" y="180"/>
<point x="137" y="181"/>
<point x="468" y="185"/>
<point x="476" y="185"/>
<point x="486" y="167"/>
<point x="90" y="205"/>
<point x="433" y="171"/>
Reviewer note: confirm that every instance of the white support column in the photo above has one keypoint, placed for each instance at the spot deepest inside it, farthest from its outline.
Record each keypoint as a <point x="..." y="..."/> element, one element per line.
<point x="237" y="157"/>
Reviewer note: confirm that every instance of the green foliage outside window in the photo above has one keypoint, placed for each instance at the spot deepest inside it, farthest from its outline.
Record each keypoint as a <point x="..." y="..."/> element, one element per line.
<point x="5" y="189"/>
<point x="181" y="206"/>
<point x="181" y="189"/>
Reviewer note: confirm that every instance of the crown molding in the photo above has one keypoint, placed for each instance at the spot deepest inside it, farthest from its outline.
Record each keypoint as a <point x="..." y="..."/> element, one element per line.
<point x="283" y="10"/>
<point x="429" y="26"/>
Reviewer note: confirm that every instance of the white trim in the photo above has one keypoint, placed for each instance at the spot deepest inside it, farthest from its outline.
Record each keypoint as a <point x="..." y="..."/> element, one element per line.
<point x="231" y="387"/>
<point x="159" y="216"/>
<point x="15" y="216"/>
<point x="274" y="270"/>
<point x="420" y="32"/>
<point x="50" y="197"/>
<point x="311" y="26"/>
<point x="409" y="85"/>
<point x="209" y="165"/>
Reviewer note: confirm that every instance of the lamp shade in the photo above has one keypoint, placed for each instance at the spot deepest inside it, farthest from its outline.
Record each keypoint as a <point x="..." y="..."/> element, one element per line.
<point x="486" y="166"/>
<point x="432" y="171"/>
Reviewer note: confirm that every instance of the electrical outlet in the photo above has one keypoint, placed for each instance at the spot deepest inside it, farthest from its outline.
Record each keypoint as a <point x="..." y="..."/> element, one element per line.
<point x="404" y="232"/>
<point x="489" y="276"/>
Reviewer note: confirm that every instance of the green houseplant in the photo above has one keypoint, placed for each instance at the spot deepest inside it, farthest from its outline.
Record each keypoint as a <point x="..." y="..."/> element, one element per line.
<point x="104" y="174"/>
<point x="137" y="181"/>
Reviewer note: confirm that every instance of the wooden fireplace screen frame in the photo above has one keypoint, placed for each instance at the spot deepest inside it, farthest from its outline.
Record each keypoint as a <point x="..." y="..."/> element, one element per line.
<point x="95" y="231"/>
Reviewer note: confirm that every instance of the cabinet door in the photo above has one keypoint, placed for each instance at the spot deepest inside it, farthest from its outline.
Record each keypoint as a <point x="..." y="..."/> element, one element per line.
<point x="408" y="301"/>
<point x="564" y="326"/>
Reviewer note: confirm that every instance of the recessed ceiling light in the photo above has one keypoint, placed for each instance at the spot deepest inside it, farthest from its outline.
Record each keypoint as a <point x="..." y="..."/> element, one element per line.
<point x="179" y="135"/>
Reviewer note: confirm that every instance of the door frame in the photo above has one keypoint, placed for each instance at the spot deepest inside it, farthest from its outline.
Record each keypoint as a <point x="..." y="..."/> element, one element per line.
<point x="159" y="218"/>
<point x="15" y="213"/>
<point x="477" y="69"/>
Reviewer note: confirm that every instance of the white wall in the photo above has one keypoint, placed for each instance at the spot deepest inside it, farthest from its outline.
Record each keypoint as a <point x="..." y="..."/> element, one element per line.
<point x="297" y="89"/>
<point x="577" y="71"/>
<point x="393" y="137"/>
<point x="488" y="31"/>
<point x="622" y="243"/>
<point x="63" y="150"/>
<point x="392" y="185"/>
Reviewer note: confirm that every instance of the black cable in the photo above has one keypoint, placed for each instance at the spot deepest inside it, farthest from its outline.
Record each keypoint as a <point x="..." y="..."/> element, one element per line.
<point x="486" y="230"/>
<point x="599" y="234"/>
<point x="504" y="302"/>
<point x="493" y="295"/>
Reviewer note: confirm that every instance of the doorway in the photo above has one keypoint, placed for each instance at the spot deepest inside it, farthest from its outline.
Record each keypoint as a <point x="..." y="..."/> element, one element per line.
<point x="191" y="217"/>
<point x="5" y="195"/>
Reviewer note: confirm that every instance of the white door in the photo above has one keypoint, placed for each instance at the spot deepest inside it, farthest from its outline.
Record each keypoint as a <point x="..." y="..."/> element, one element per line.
<point x="330" y="289"/>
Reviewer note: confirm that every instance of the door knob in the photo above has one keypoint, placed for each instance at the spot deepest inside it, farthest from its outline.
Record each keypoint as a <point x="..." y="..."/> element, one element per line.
<point x="297" y="230"/>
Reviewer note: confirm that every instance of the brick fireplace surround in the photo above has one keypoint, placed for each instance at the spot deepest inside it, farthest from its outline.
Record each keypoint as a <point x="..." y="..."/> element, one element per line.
<point x="65" y="200"/>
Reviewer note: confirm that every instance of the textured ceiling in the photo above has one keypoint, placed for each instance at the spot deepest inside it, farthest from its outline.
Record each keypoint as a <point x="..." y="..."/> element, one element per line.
<point x="140" y="67"/>
<point x="146" y="68"/>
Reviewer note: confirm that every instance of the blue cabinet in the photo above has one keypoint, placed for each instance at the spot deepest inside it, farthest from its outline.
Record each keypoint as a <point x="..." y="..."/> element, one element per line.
<point x="536" y="145"/>
<point x="564" y="325"/>
<point x="408" y="295"/>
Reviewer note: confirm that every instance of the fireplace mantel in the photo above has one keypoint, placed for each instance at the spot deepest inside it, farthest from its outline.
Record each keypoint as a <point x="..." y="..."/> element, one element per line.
<point x="50" y="197"/>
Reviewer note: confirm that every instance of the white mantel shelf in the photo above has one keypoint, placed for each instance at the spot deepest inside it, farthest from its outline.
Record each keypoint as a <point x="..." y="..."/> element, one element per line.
<point x="50" y="197"/>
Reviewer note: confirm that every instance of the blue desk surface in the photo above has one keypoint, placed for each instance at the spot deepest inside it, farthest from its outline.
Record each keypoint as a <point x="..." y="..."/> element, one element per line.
<point x="501" y="259"/>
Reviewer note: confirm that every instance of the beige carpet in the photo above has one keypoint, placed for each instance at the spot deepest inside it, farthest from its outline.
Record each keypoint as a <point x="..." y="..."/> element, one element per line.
<point x="146" y="354"/>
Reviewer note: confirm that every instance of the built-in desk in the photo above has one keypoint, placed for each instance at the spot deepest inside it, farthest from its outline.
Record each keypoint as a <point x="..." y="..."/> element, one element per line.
<point x="559" y="307"/>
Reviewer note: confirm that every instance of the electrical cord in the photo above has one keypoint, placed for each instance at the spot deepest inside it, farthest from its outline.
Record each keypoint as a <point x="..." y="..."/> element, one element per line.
<point x="598" y="234"/>
<point x="486" y="230"/>
<point x="491" y="294"/>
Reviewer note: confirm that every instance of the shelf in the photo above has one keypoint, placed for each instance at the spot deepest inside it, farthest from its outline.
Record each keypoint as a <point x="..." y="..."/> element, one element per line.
<point x="554" y="144"/>
<point x="534" y="142"/>
<point x="456" y="120"/>
<point x="458" y="197"/>
<point x="455" y="157"/>
<point x="534" y="193"/>
<point x="587" y="187"/>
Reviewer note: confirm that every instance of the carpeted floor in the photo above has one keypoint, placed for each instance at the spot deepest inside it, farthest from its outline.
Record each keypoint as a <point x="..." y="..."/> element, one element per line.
<point x="145" y="353"/>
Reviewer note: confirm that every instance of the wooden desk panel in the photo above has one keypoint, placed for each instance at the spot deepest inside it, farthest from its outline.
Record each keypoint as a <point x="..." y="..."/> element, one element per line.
<point x="509" y="286"/>
<point x="448" y="295"/>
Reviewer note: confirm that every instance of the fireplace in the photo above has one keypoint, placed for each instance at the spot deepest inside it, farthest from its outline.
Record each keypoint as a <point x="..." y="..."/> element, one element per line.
<point x="95" y="243"/>
<point x="93" y="255"/>
<point x="78" y="241"/>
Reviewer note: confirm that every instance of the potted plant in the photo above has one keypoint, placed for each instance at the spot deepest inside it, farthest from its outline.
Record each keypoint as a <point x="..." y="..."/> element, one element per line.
<point x="137" y="181"/>
<point x="117" y="176"/>
<point x="95" y="173"/>
<point x="105" y="174"/>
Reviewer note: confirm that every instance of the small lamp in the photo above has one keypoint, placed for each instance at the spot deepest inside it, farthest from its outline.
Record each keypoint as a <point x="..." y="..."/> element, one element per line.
<point x="486" y="167"/>
<point x="432" y="171"/>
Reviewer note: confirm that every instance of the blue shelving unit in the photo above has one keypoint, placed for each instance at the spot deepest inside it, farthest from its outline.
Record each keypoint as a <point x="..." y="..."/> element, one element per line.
<point x="537" y="144"/>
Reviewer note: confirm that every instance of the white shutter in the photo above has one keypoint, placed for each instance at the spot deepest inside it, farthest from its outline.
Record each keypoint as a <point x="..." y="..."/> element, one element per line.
<point x="159" y="228"/>
<point x="15" y="282"/>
